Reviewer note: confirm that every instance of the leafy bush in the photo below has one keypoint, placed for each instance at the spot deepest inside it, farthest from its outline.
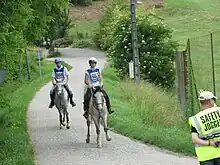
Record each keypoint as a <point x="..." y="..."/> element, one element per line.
<point x="29" y="22"/>
<point x="59" y="26"/>
<point x="81" y="40"/>
<point x="62" y="42"/>
<point x="55" y="54"/>
<point x="81" y="2"/>
<point x="155" y="44"/>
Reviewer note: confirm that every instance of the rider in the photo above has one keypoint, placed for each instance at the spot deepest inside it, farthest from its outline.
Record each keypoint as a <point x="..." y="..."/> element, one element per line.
<point x="60" y="73"/>
<point x="93" y="78"/>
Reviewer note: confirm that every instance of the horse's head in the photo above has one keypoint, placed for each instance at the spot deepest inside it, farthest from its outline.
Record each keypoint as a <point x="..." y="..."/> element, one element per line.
<point x="98" y="97"/>
<point x="59" y="88"/>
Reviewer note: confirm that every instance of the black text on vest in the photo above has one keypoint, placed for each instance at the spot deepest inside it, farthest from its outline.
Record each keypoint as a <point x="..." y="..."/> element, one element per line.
<point x="211" y="120"/>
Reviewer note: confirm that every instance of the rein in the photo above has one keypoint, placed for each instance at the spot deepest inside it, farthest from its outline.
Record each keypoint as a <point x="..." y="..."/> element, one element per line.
<point x="94" y="104"/>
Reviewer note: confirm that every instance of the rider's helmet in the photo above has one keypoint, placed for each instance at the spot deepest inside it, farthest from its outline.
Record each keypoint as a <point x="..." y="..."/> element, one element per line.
<point x="92" y="60"/>
<point x="57" y="60"/>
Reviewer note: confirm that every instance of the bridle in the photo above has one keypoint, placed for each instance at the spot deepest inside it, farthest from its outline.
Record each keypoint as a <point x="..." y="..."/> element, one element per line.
<point x="62" y="89"/>
<point x="94" y="103"/>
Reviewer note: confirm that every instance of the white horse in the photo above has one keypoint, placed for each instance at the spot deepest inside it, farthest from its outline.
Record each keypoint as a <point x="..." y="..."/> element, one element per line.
<point x="61" y="101"/>
<point x="97" y="113"/>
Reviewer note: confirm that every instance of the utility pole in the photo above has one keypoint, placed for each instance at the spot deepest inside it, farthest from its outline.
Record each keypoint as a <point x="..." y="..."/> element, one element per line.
<point x="135" y="41"/>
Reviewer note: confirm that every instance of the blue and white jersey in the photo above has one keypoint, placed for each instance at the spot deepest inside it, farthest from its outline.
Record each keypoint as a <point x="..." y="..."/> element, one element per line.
<point x="93" y="76"/>
<point x="60" y="74"/>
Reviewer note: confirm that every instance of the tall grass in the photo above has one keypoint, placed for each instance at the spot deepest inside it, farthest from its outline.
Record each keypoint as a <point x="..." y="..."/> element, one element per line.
<point x="82" y="34"/>
<point x="147" y="113"/>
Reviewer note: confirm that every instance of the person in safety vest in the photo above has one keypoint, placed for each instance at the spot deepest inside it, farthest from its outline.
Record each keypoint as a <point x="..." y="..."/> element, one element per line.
<point x="205" y="128"/>
<point x="93" y="78"/>
<point x="60" y="74"/>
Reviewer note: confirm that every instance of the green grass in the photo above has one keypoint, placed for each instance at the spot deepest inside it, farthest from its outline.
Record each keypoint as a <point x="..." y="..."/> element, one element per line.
<point x="195" y="19"/>
<point x="147" y="113"/>
<point x="150" y="114"/>
<point x="82" y="33"/>
<point x="15" y="145"/>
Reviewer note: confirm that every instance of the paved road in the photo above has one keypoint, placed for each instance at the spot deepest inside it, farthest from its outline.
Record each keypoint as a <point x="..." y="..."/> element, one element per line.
<point x="68" y="147"/>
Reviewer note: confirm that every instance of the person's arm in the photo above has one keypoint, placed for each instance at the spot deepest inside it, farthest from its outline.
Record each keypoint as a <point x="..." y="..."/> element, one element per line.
<point x="197" y="140"/>
<point x="100" y="77"/>
<point x="86" y="80"/>
<point x="67" y="75"/>
<point x="53" y="78"/>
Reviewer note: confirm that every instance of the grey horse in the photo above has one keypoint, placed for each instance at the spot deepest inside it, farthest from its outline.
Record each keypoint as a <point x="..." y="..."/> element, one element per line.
<point x="61" y="102"/>
<point x="98" y="114"/>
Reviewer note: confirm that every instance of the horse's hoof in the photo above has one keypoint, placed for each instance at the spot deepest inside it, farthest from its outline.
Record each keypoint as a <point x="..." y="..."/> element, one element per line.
<point x="61" y="127"/>
<point x="87" y="140"/>
<point x="99" y="146"/>
<point x="109" y="139"/>
<point x="67" y="127"/>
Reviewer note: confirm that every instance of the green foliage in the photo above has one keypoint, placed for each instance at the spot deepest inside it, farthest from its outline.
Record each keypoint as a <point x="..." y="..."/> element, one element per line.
<point x="156" y="48"/>
<point x="81" y="2"/>
<point x="24" y="22"/>
<point x="81" y="40"/>
<point x="59" y="25"/>
<point x="147" y="113"/>
<point x="82" y="34"/>
<point x="14" y="138"/>
<point x="55" y="54"/>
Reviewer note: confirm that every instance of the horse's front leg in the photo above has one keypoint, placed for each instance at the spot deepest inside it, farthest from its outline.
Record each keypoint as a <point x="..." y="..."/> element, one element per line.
<point x="88" y="130"/>
<point x="67" y="119"/>
<point x="63" y="117"/>
<point x="108" y="137"/>
<point x="60" y="118"/>
<point x="97" y="125"/>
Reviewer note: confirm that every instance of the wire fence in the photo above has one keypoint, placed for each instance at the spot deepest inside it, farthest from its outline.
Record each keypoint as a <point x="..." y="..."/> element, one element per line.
<point x="198" y="68"/>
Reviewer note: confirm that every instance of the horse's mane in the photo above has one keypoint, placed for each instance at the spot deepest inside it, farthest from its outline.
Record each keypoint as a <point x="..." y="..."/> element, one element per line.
<point x="98" y="89"/>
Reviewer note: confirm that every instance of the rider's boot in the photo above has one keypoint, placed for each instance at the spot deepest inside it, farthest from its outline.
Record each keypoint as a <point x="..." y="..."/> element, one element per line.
<point x="86" y="114"/>
<point x="71" y="101"/>
<point x="70" y="94"/>
<point x="110" y="110"/>
<point x="52" y="101"/>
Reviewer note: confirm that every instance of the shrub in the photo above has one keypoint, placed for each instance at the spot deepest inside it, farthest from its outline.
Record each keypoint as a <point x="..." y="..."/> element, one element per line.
<point x="155" y="44"/>
<point x="81" y="2"/>
<point x="55" y="54"/>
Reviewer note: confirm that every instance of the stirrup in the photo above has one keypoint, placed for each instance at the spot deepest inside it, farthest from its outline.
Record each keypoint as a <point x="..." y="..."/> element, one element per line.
<point x="86" y="115"/>
<point x="73" y="103"/>
<point x="110" y="111"/>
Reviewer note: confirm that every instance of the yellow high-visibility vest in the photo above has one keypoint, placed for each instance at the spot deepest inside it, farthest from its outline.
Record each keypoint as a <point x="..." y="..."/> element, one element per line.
<point x="207" y="124"/>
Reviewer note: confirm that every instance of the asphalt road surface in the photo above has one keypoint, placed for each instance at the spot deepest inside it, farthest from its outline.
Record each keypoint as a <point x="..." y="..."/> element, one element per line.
<point x="68" y="147"/>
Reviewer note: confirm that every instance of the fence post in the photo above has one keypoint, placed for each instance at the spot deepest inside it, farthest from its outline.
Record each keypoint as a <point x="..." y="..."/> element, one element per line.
<point x="179" y="79"/>
<point x="213" y="65"/>
<point x="39" y="54"/>
<point x="177" y="67"/>
<point x="27" y="64"/>
<point x="185" y="80"/>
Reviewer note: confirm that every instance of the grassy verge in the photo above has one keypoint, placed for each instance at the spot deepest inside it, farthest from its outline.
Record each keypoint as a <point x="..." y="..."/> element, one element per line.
<point x="196" y="20"/>
<point x="147" y="113"/>
<point x="82" y="34"/>
<point x="15" y="146"/>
